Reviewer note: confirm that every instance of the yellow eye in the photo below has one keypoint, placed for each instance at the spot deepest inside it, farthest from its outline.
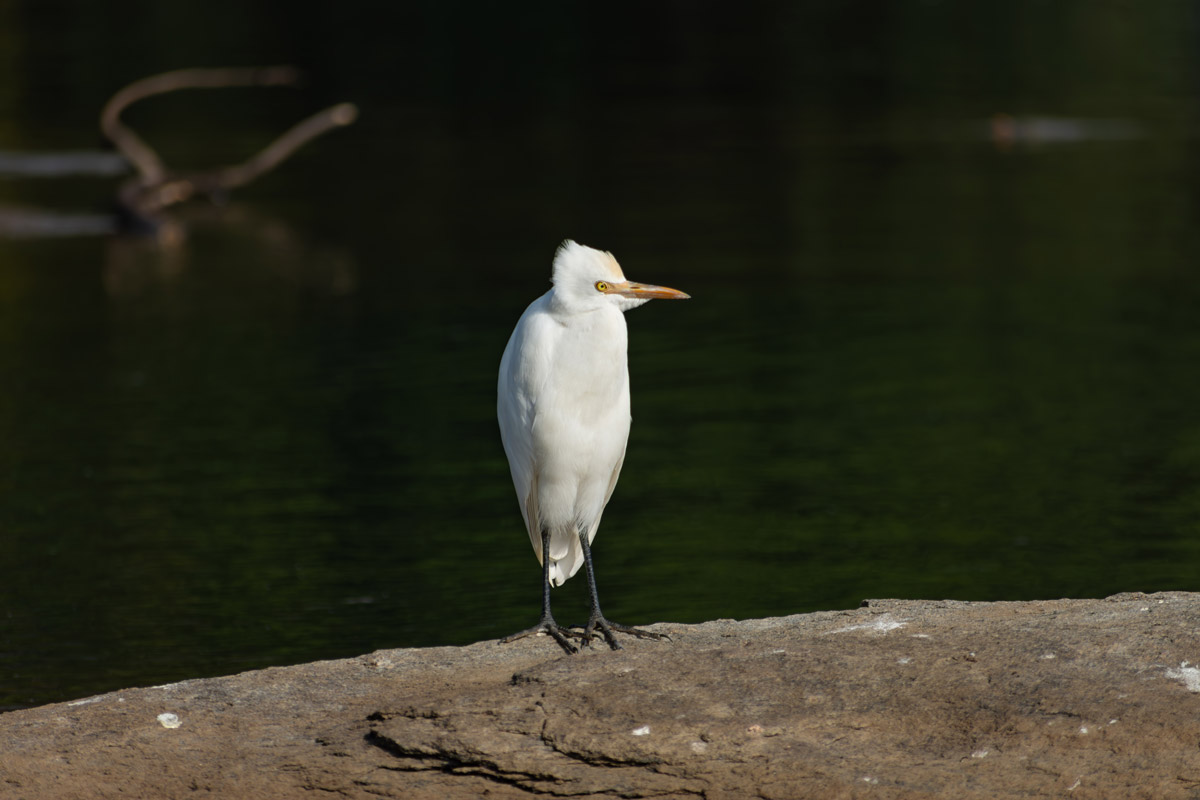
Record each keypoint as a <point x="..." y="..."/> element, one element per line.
<point x="601" y="286"/>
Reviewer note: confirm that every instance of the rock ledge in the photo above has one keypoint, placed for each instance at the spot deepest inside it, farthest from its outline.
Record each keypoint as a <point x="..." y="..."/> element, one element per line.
<point x="897" y="699"/>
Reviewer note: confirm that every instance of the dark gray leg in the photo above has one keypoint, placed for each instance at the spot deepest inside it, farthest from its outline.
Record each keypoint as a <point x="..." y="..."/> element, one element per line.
<point x="546" y="625"/>
<point x="596" y="620"/>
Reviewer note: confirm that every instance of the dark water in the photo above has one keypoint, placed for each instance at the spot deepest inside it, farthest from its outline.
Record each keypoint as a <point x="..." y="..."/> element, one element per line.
<point x="932" y="352"/>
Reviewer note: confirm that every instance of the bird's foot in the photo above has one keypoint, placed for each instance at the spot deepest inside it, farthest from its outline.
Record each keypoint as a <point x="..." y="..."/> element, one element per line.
<point x="550" y="628"/>
<point x="608" y="631"/>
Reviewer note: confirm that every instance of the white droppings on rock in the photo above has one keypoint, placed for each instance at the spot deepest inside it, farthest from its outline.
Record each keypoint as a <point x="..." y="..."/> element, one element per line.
<point x="871" y="780"/>
<point x="85" y="701"/>
<point x="642" y="731"/>
<point x="1083" y="729"/>
<point x="169" y="720"/>
<point x="904" y="660"/>
<point x="1187" y="675"/>
<point x="883" y="624"/>
<point x="1075" y="785"/>
<point x="1048" y="656"/>
<point x="980" y="753"/>
<point x="699" y="747"/>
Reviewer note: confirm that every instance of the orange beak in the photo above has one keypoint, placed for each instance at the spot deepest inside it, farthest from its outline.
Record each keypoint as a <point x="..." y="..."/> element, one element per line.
<point x="646" y="291"/>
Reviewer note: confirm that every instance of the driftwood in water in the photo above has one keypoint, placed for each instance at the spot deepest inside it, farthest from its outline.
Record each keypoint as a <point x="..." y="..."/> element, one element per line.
<point x="155" y="187"/>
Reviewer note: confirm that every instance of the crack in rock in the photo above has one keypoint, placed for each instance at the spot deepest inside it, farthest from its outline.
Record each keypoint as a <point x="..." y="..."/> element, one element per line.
<point x="518" y="755"/>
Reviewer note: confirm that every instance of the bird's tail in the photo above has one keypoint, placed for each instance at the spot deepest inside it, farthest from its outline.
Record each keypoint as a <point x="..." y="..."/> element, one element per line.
<point x="566" y="555"/>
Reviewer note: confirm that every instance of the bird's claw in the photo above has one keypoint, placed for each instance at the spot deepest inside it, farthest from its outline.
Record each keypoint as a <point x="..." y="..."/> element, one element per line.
<point x="608" y="630"/>
<point x="548" y="627"/>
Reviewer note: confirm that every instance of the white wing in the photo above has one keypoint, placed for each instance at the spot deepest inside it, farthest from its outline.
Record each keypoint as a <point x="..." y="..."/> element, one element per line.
<point x="515" y="408"/>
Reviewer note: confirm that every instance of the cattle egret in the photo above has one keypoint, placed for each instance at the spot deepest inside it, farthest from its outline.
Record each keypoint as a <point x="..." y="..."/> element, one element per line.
<point x="564" y="419"/>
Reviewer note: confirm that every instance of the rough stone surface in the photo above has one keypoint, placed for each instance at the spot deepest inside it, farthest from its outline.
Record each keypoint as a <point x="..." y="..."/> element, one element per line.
<point x="898" y="699"/>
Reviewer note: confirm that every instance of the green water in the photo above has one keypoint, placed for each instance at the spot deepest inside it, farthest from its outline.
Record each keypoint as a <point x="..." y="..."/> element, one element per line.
<point x="919" y="362"/>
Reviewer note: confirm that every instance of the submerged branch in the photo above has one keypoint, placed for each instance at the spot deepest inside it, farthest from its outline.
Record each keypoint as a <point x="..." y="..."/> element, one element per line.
<point x="133" y="147"/>
<point x="169" y="192"/>
<point x="156" y="187"/>
<point x="282" y="148"/>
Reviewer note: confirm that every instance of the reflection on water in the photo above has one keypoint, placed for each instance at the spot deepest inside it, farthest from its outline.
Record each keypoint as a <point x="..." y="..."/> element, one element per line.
<point x="57" y="165"/>
<point x="136" y="265"/>
<point x="1007" y="130"/>
<point x="33" y="223"/>
<point x="914" y="365"/>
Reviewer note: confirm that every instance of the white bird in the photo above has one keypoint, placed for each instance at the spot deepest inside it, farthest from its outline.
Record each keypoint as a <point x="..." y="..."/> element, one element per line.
<point x="563" y="405"/>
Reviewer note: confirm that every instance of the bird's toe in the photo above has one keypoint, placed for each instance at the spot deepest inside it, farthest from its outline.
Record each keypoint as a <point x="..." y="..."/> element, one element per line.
<point x="599" y="627"/>
<point x="547" y="627"/>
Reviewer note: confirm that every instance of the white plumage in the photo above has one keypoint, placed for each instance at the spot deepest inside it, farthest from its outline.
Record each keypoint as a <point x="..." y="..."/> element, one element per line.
<point x="563" y="407"/>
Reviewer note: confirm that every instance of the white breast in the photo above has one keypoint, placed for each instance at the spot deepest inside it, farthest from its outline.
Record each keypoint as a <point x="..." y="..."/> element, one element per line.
<point x="564" y="411"/>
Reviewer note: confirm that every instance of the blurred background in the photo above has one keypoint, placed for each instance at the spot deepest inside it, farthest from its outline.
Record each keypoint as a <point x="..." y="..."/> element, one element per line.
<point x="945" y="262"/>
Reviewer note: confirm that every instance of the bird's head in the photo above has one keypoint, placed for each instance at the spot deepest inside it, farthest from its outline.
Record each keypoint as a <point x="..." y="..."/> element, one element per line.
<point x="586" y="280"/>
